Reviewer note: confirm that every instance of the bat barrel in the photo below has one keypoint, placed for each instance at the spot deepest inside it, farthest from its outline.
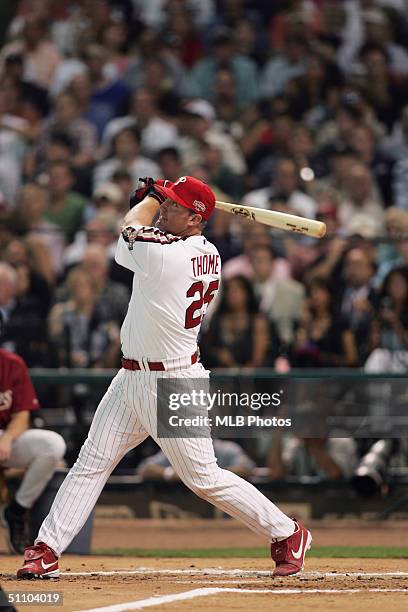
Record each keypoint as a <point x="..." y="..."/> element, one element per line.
<point x="279" y="220"/>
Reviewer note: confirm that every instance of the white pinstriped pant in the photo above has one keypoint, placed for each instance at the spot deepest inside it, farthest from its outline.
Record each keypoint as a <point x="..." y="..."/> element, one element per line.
<point x="125" y="417"/>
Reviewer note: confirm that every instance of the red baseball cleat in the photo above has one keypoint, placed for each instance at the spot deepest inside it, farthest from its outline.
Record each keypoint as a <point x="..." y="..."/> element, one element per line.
<point x="40" y="561"/>
<point x="289" y="554"/>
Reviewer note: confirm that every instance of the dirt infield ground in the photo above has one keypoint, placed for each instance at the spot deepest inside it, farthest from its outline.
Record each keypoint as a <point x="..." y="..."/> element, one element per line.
<point x="139" y="580"/>
<point x="222" y="584"/>
<point x="227" y="533"/>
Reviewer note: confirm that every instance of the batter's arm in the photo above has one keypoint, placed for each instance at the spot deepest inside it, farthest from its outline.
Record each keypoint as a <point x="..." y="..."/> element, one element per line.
<point x="142" y="214"/>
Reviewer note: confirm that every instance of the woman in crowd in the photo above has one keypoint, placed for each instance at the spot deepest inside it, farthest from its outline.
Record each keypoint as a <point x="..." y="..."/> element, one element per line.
<point x="389" y="330"/>
<point x="79" y="334"/>
<point x="323" y="340"/>
<point x="238" y="335"/>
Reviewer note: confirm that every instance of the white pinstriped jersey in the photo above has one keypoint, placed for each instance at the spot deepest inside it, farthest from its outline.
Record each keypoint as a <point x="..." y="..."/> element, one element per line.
<point x="174" y="281"/>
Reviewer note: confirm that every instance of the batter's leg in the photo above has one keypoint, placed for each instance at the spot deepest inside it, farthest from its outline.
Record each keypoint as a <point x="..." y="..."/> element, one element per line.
<point x="115" y="429"/>
<point x="194" y="461"/>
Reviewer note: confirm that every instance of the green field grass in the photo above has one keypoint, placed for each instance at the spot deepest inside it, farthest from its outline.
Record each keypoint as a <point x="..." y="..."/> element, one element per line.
<point x="322" y="552"/>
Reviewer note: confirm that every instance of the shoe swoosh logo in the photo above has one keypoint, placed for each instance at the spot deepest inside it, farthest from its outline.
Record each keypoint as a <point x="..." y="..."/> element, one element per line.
<point x="298" y="553"/>
<point x="47" y="565"/>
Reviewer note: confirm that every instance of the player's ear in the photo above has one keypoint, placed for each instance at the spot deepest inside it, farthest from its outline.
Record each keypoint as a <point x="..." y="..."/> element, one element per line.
<point x="195" y="219"/>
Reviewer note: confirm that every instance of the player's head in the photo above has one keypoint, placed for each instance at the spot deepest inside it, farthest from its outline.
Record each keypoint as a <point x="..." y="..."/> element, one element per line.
<point x="188" y="206"/>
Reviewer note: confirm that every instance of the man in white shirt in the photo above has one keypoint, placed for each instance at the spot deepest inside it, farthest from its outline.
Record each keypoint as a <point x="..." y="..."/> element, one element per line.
<point x="285" y="184"/>
<point x="126" y="155"/>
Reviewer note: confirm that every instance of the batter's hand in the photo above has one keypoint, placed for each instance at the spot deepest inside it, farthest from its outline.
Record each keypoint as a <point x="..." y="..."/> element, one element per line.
<point x="145" y="188"/>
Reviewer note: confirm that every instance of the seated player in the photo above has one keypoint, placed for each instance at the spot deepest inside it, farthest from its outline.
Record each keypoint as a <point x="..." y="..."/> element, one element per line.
<point x="36" y="450"/>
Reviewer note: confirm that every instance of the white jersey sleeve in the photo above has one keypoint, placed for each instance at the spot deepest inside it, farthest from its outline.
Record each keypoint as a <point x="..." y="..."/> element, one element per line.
<point x="142" y="249"/>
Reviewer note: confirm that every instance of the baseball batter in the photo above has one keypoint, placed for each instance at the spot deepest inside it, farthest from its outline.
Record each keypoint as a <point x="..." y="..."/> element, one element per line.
<point x="176" y="275"/>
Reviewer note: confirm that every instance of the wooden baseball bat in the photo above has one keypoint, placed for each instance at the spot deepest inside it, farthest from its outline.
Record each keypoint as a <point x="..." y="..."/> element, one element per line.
<point x="280" y="220"/>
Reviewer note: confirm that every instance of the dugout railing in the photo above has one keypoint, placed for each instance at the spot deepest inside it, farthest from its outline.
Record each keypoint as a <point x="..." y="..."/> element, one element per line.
<point x="314" y="496"/>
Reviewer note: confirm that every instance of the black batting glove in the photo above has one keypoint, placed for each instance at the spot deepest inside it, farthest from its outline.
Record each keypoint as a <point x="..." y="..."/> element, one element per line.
<point x="146" y="187"/>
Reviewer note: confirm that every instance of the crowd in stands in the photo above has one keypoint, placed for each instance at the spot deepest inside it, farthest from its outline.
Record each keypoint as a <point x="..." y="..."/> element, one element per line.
<point x="293" y="105"/>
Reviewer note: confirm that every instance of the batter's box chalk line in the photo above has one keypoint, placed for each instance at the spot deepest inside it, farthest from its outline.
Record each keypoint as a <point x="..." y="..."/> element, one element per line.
<point x="205" y="592"/>
<point x="238" y="573"/>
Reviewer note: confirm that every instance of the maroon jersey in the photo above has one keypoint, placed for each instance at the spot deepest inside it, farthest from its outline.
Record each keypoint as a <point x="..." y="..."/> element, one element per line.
<point x="16" y="389"/>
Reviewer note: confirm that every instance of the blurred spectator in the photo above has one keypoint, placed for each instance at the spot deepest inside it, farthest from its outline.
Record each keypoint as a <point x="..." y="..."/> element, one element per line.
<point x="390" y="253"/>
<point x="238" y="334"/>
<point x="199" y="127"/>
<point x="219" y="174"/>
<point x="308" y="92"/>
<point x="396" y="144"/>
<point x="126" y="155"/>
<point x="357" y="297"/>
<point x="12" y="150"/>
<point x="114" y="39"/>
<point x="290" y="63"/>
<point x="254" y="235"/>
<point x="27" y="299"/>
<point x="153" y="13"/>
<point x="359" y="201"/>
<point x="101" y="229"/>
<point x="230" y="456"/>
<point x="400" y="183"/>
<point x="374" y="28"/>
<point x="285" y="185"/>
<point x="30" y="220"/>
<point x="155" y="131"/>
<point x="100" y="97"/>
<point x="279" y="299"/>
<point x="182" y="33"/>
<point x="328" y="260"/>
<point x="80" y="336"/>
<point x="364" y="144"/>
<point x="108" y="197"/>
<point x="385" y="96"/>
<point x="8" y="290"/>
<point x="322" y="339"/>
<point x="328" y="458"/>
<point x="13" y="72"/>
<point x="59" y="147"/>
<point x="227" y="110"/>
<point x="301" y="148"/>
<point x="41" y="56"/>
<point x="249" y="39"/>
<point x="266" y="139"/>
<point x="123" y="179"/>
<point x="389" y="330"/>
<point x="223" y="53"/>
<point x="170" y="163"/>
<point x="351" y="111"/>
<point x="155" y="67"/>
<point x="321" y="258"/>
<point x="67" y="119"/>
<point x="112" y="298"/>
<point x="65" y="207"/>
